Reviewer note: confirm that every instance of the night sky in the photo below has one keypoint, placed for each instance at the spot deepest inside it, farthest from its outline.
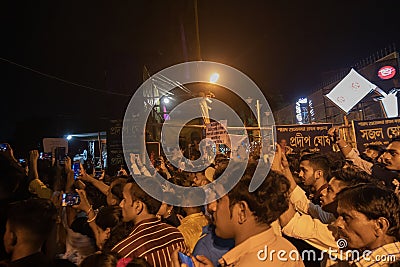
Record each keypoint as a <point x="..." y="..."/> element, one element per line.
<point x="287" y="47"/>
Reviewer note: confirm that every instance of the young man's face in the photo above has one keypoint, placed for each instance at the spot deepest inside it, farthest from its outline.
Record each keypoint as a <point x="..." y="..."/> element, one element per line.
<point x="126" y="204"/>
<point x="391" y="158"/>
<point x="307" y="173"/>
<point x="356" y="228"/>
<point x="223" y="219"/>
<point x="328" y="194"/>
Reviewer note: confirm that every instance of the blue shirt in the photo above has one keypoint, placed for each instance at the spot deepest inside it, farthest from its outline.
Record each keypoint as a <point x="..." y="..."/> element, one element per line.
<point x="212" y="246"/>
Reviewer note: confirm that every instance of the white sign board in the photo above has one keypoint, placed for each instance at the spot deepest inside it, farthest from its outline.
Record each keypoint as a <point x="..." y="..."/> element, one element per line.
<point x="216" y="131"/>
<point x="349" y="91"/>
<point x="49" y="144"/>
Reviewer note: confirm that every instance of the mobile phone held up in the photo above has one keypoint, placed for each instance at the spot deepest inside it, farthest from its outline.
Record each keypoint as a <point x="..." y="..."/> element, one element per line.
<point x="98" y="173"/>
<point x="70" y="199"/>
<point x="60" y="155"/>
<point x="45" y="156"/>
<point x="3" y="147"/>
<point x="76" y="167"/>
<point x="185" y="259"/>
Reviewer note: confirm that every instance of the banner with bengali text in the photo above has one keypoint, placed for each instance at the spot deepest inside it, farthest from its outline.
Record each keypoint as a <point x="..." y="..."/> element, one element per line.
<point x="375" y="132"/>
<point x="115" y="153"/>
<point x="306" y="136"/>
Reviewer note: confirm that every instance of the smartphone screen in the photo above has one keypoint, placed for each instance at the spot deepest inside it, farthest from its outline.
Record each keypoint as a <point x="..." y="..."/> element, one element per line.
<point x="3" y="147"/>
<point x="97" y="174"/>
<point x="70" y="199"/>
<point x="185" y="259"/>
<point x="76" y="167"/>
<point x="60" y="155"/>
<point x="45" y="155"/>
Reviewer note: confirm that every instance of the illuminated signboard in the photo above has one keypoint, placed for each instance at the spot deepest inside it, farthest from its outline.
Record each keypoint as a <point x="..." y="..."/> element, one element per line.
<point x="386" y="72"/>
<point x="304" y="111"/>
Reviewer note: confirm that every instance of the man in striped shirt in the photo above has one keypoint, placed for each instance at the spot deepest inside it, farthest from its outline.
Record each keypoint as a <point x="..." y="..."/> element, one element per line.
<point x="150" y="238"/>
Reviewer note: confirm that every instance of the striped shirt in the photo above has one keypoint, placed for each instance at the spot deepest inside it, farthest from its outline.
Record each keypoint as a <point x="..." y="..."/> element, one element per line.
<point x="152" y="240"/>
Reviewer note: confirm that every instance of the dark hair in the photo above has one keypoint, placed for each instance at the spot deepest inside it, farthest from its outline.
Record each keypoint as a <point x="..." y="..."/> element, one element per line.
<point x="352" y="175"/>
<point x="100" y="260"/>
<point x="108" y="217"/>
<point x="395" y="139"/>
<point x="117" y="233"/>
<point x="137" y="193"/>
<point x="268" y="201"/>
<point x="377" y="148"/>
<point x="374" y="201"/>
<point x="95" y="196"/>
<point x="318" y="162"/>
<point x="117" y="187"/>
<point x="36" y="215"/>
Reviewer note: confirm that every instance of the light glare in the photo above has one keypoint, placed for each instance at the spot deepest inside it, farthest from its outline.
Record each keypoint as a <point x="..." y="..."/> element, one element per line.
<point x="214" y="77"/>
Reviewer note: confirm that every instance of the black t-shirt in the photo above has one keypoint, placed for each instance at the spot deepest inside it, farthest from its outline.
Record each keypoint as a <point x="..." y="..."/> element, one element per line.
<point x="385" y="176"/>
<point x="37" y="259"/>
<point x="80" y="225"/>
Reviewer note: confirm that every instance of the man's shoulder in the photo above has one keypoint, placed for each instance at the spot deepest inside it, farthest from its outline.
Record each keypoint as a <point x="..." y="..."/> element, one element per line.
<point x="148" y="237"/>
<point x="154" y="227"/>
<point x="37" y="259"/>
<point x="283" y="242"/>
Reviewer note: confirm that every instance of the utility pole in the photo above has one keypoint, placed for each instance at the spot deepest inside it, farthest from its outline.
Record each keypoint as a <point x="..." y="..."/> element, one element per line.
<point x="197" y="31"/>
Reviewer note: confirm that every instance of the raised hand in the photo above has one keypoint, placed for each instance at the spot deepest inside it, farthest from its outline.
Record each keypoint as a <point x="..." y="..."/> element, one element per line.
<point x="83" y="175"/>
<point x="33" y="155"/>
<point x="8" y="152"/>
<point x="84" y="204"/>
<point x="333" y="132"/>
<point x="68" y="164"/>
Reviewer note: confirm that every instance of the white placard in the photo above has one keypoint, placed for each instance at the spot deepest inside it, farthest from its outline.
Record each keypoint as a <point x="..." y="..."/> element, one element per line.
<point x="49" y="144"/>
<point x="349" y="91"/>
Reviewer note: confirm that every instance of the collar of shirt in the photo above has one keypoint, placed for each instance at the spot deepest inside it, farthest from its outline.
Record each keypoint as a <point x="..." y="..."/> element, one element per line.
<point x="145" y="222"/>
<point x="193" y="216"/>
<point x="384" y="255"/>
<point x="264" y="238"/>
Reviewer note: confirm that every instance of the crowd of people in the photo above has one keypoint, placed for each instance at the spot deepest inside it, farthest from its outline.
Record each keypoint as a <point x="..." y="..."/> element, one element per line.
<point x="338" y="209"/>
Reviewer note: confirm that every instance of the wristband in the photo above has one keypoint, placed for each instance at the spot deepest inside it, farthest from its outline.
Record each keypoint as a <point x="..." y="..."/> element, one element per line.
<point x="90" y="209"/>
<point x="91" y="220"/>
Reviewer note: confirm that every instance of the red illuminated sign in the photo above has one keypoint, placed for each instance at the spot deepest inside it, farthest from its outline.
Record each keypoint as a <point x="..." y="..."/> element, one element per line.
<point x="386" y="72"/>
